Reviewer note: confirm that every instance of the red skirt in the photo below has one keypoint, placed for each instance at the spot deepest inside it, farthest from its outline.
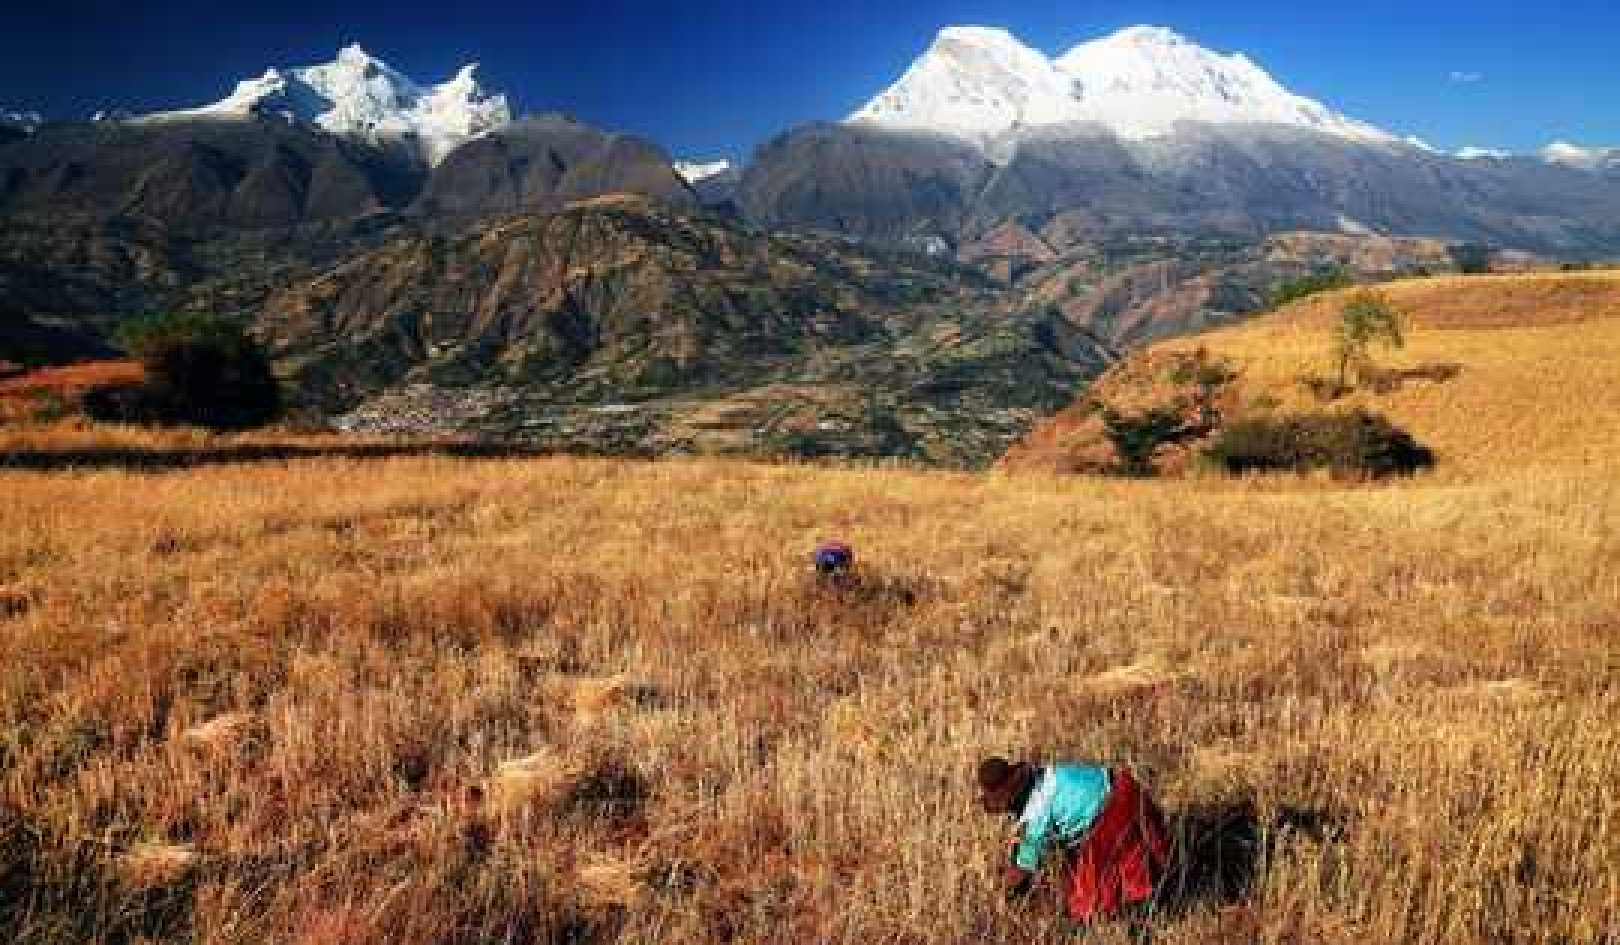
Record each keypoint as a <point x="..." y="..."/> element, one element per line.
<point x="1122" y="857"/>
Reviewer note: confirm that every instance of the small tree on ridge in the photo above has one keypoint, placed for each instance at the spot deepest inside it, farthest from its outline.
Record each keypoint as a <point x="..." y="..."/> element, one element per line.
<point x="1366" y="317"/>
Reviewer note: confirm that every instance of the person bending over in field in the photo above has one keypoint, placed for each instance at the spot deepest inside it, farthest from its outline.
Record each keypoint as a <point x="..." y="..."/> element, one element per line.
<point x="834" y="561"/>
<point x="1114" y="843"/>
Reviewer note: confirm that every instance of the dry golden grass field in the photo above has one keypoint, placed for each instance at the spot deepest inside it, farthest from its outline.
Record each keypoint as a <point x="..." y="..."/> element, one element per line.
<point x="1538" y="357"/>
<point x="439" y="700"/>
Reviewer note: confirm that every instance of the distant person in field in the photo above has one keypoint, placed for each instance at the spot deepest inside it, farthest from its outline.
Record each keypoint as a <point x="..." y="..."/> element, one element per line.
<point x="1115" y="847"/>
<point x="834" y="560"/>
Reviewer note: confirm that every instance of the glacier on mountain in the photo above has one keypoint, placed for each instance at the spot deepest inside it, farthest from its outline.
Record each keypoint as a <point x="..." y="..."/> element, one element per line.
<point x="696" y="172"/>
<point x="981" y="83"/>
<point x="358" y="94"/>
<point x="1586" y="159"/>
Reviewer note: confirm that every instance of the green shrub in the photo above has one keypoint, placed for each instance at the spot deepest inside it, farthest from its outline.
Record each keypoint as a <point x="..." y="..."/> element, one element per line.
<point x="1356" y="443"/>
<point x="1472" y="260"/>
<point x="1137" y="436"/>
<point x="200" y="370"/>
<point x="1323" y="280"/>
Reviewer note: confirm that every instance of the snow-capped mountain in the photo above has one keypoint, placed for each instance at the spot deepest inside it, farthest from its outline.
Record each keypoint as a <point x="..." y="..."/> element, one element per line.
<point x="1586" y="159"/>
<point x="1143" y="80"/>
<point x="1482" y="154"/>
<point x="359" y="94"/>
<point x="979" y="83"/>
<point x="25" y="122"/>
<point x="975" y="82"/>
<point x="696" y="172"/>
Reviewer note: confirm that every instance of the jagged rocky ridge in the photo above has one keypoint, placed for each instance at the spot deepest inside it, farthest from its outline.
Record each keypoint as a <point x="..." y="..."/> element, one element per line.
<point x="361" y="96"/>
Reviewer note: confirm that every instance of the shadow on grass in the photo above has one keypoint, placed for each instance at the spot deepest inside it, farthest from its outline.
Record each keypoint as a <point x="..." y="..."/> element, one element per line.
<point x="156" y="459"/>
<point x="1219" y="851"/>
<point x="60" y="895"/>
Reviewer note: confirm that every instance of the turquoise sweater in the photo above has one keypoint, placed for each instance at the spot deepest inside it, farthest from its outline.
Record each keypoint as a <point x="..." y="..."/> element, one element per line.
<point x="1065" y="801"/>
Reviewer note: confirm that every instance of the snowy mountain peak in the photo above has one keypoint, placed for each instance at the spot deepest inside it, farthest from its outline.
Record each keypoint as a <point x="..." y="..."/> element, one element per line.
<point x="1143" y="80"/>
<point x="356" y="55"/>
<point x="465" y="78"/>
<point x="981" y="82"/>
<point x="1586" y="159"/>
<point x="977" y="36"/>
<point x="974" y="82"/>
<point x="359" y="94"/>
<point x="1148" y="36"/>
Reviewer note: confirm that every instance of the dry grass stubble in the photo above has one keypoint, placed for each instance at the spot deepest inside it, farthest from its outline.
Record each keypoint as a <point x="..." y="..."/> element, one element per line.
<point x="434" y="700"/>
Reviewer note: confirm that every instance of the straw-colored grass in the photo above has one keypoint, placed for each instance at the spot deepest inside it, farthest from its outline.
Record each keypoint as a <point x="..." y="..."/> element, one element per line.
<point x="1538" y="359"/>
<point x="437" y="700"/>
<point x="430" y="700"/>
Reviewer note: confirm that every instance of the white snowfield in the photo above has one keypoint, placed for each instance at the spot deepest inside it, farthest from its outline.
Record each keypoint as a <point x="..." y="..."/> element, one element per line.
<point x="695" y="172"/>
<point x="980" y="83"/>
<point x="362" y="95"/>
<point x="1482" y="154"/>
<point x="1586" y="159"/>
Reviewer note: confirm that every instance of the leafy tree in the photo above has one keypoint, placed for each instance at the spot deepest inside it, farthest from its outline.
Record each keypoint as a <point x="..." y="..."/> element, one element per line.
<point x="1208" y="376"/>
<point x="202" y="369"/>
<point x="1366" y="317"/>
<point x="1472" y="260"/>
<point x="1136" y="436"/>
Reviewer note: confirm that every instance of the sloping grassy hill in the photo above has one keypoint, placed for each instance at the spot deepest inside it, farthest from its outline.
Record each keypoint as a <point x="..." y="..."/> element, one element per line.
<point x="1536" y="358"/>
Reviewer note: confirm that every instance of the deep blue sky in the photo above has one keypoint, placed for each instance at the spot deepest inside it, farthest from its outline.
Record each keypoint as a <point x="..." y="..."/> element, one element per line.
<point x="717" y="77"/>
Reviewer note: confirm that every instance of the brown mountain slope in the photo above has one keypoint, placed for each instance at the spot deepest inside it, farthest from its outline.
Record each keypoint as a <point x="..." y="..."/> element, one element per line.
<point x="1498" y="372"/>
<point x="626" y="325"/>
<point x="541" y="164"/>
<point x="200" y="176"/>
<point x="1133" y="291"/>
